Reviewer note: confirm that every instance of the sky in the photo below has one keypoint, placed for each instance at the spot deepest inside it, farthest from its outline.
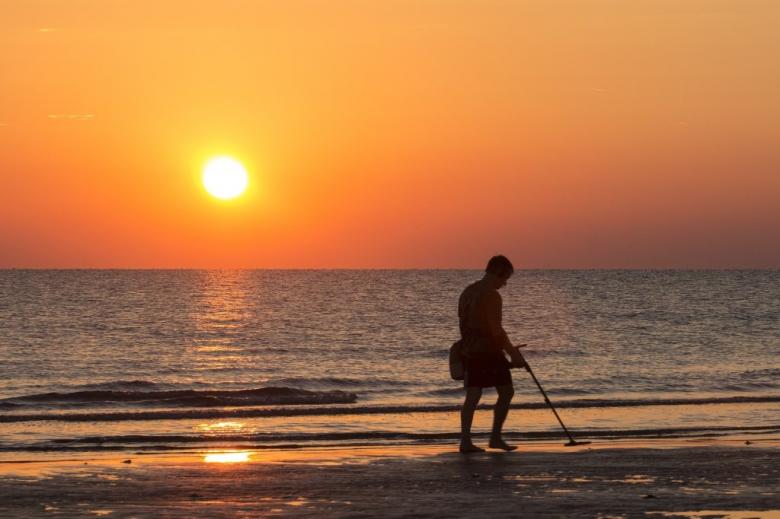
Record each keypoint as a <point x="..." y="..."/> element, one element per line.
<point x="391" y="133"/>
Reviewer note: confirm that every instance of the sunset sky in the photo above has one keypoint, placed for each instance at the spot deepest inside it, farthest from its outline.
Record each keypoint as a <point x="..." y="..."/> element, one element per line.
<point x="391" y="133"/>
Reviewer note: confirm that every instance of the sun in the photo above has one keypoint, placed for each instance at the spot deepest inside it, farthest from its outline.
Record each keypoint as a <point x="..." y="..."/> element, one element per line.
<point x="225" y="177"/>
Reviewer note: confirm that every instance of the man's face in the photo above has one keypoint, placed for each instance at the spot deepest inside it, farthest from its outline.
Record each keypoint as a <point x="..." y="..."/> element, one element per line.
<point x="502" y="279"/>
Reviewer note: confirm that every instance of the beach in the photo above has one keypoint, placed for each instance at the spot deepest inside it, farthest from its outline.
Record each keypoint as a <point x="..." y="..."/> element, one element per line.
<point x="248" y="393"/>
<point x="645" y="478"/>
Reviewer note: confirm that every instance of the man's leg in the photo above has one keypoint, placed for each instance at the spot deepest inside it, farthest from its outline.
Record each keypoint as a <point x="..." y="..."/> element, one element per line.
<point x="505" y="394"/>
<point x="473" y="394"/>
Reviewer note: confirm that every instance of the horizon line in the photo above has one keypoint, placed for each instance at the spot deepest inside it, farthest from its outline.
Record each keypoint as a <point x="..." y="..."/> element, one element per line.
<point x="526" y="269"/>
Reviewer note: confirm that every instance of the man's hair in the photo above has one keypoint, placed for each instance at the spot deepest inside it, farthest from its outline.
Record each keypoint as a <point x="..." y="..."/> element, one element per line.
<point x="500" y="266"/>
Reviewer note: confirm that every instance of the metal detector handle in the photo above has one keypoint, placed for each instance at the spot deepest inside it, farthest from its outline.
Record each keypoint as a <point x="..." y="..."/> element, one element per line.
<point x="518" y="351"/>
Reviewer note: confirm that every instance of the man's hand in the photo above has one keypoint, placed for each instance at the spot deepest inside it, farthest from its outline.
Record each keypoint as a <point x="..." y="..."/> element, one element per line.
<point x="517" y="358"/>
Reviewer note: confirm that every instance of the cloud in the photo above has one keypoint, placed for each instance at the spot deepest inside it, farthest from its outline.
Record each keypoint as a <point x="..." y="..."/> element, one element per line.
<point x="4" y="124"/>
<point x="45" y="29"/>
<point x="72" y="117"/>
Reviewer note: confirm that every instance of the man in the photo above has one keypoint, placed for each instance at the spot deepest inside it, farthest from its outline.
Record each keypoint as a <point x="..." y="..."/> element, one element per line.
<point x="484" y="345"/>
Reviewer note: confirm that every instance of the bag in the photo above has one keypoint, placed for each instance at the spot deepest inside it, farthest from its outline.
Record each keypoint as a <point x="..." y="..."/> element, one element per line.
<point x="457" y="364"/>
<point x="476" y="346"/>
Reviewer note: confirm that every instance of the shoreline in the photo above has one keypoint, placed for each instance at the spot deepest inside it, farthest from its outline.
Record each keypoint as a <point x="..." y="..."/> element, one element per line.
<point x="89" y="448"/>
<point x="626" y="478"/>
<point x="536" y="425"/>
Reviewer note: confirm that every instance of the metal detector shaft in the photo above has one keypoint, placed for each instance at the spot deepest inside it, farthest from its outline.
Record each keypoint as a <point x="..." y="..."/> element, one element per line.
<point x="528" y="368"/>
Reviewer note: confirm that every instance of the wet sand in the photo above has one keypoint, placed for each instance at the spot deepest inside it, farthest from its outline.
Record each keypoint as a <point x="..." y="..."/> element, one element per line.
<point x="665" y="478"/>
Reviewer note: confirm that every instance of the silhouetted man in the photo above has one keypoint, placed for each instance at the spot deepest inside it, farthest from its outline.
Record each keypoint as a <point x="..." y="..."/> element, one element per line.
<point x="484" y="345"/>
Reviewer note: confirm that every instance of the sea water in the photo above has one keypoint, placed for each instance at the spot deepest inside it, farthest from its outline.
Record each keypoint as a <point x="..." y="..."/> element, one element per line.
<point x="170" y="359"/>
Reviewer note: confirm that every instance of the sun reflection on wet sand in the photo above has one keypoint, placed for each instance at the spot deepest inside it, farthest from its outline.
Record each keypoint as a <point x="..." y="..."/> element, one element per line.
<point x="227" y="457"/>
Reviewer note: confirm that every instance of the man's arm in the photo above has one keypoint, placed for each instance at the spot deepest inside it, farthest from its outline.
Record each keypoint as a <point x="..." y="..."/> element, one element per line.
<point x="493" y="308"/>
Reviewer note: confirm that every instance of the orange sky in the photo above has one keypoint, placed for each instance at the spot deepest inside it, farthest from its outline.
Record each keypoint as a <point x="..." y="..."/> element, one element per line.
<point x="424" y="133"/>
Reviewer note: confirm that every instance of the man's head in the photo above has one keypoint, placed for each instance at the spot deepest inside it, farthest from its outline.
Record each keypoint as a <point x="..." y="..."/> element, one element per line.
<point x="499" y="269"/>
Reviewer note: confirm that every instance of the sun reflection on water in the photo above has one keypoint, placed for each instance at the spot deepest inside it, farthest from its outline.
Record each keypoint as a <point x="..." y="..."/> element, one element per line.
<point x="220" y="427"/>
<point x="220" y="316"/>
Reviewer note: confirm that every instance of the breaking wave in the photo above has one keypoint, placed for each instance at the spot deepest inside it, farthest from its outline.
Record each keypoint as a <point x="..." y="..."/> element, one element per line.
<point x="148" y="397"/>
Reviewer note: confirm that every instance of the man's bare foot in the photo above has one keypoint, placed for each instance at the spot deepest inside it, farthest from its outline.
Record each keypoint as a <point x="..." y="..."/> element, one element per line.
<point x="470" y="447"/>
<point x="501" y="444"/>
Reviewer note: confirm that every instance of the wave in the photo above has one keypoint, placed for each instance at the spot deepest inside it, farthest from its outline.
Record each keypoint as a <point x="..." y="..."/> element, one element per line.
<point x="287" y="440"/>
<point x="182" y="398"/>
<point x="341" y="382"/>
<point x="748" y="386"/>
<point x="752" y="380"/>
<point x="183" y="414"/>
<point x="123" y="385"/>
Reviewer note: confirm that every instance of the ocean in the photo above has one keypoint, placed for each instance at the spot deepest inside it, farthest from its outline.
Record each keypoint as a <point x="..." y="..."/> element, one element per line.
<point x="159" y="360"/>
